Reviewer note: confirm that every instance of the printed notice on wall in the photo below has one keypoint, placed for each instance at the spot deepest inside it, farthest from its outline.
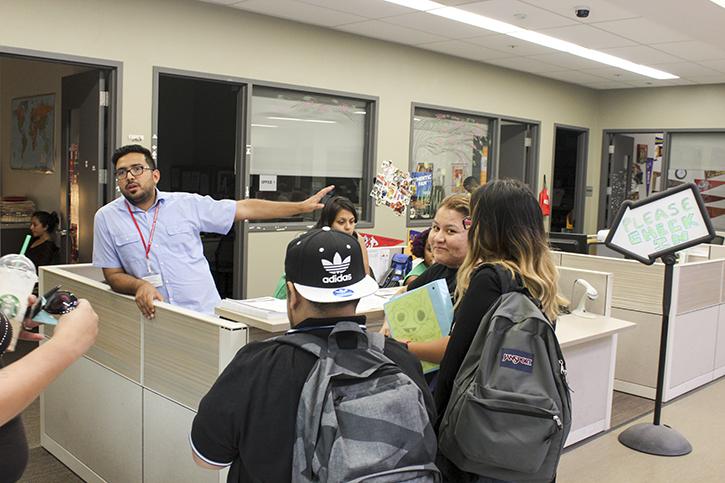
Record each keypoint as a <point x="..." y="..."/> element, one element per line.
<point x="665" y="223"/>
<point x="267" y="182"/>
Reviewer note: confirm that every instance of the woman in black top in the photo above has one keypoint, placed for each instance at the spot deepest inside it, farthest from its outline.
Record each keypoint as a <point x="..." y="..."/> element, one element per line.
<point x="42" y="250"/>
<point x="507" y="229"/>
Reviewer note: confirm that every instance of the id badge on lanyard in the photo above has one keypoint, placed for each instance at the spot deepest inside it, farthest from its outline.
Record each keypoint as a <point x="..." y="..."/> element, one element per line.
<point x="151" y="277"/>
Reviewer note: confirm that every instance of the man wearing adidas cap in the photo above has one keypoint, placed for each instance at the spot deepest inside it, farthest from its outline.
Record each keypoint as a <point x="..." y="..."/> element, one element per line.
<point x="247" y="419"/>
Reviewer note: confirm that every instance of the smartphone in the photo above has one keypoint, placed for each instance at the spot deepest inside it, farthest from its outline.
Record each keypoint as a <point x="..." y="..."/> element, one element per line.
<point x="38" y="305"/>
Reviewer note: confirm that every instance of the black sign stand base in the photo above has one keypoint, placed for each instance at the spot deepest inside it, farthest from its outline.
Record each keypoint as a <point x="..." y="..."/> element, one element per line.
<point x="659" y="439"/>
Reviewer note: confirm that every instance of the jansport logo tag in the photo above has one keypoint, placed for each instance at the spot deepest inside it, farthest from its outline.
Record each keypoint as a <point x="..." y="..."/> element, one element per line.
<point x="336" y="267"/>
<point x="519" y="360"/>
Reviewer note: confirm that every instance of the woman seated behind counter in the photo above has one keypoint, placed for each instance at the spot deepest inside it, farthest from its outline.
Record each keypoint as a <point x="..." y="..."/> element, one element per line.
<point x="43" y="250"/>
<point x="339" y="214"/>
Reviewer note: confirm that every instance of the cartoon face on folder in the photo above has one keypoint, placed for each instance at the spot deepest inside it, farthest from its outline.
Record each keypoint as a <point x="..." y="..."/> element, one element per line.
<point x="422" y="314"/>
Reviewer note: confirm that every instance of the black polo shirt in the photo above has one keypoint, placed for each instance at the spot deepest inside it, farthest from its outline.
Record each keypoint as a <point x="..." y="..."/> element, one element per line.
<point x="247" y="419"/>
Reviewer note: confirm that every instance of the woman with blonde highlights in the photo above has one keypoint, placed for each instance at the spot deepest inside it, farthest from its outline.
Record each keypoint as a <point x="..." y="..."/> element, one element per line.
<point x="507" y="230"/>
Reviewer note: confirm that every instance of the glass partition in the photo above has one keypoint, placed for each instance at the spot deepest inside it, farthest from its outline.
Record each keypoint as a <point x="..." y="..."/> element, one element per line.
<point x="304" y="141"/>
<point x="449" y="154"/>
<point x="699" y="157"/>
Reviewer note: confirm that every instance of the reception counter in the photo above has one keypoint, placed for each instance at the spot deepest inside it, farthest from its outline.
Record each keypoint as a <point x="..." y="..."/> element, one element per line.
<point x="123" y="412"/>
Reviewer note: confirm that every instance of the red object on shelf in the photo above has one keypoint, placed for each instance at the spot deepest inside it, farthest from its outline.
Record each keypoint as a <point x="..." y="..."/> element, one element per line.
<point x="544" y="201"/>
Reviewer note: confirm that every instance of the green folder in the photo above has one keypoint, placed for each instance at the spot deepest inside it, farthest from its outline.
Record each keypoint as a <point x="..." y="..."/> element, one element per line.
<point x="421" y="315"/>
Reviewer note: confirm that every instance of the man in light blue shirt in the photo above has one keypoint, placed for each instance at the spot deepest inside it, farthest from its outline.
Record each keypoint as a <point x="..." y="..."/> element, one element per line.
<point x="147" y="242"/>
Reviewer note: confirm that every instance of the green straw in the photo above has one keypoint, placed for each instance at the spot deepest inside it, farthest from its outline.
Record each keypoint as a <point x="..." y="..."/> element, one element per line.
<point x="25" y="244"/>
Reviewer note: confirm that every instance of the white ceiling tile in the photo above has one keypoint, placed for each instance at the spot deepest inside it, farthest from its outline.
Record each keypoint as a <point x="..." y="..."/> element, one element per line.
<point x="643" y="31"/>
<point x="588" y="36"/>
<point x="692" y="50"/>
<point x="299" y="12"/>
<point x="718" y="65"/>
<point x="510" y="45"/>
<point x="436" y="25"/>
<point x="573" y="76"/>
<point x="685" y="69"/>
<point x="365" y="8"/>
<point x="605" y="85"/>
<point x="525" y="64"/>
<point x="392" y="33"/>
<point x="512" y="11"/>
<point x="612" y="73"/>
<point x="641" y="54"/>
<point x="567" y="61"/>
<point x="460" y="48"/>
<point x="707" y="79"/>
<point x="600" y="10"/>
<point x="222" y="2"/>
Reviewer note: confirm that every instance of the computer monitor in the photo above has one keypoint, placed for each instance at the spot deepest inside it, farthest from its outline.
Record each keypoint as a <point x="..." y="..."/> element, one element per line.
<point x="569" y="242"/>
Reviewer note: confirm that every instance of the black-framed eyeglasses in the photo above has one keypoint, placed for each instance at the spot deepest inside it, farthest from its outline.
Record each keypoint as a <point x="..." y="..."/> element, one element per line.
<point x="55" y="302"/>
<point x="137" y="170"/>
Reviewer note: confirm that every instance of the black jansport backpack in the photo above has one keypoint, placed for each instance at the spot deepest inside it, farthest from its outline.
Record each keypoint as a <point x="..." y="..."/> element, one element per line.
<point x="510" y="409"/>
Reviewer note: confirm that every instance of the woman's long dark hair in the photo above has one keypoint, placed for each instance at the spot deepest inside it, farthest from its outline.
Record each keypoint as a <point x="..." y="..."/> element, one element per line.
<point x="507" y="228"/>
<point x="332" y="208"/>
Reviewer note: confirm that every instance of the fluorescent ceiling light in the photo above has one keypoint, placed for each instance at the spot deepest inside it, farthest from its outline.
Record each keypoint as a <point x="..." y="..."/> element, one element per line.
<point x="359" y="112"/>
<point x="263" y="125"/>
<point x="321" y="121"/>
<point x="494" y="25"/>
<point x="719" y="2"/>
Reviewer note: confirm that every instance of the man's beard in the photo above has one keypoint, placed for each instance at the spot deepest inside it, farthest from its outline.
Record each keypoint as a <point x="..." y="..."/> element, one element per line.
<point x="141" y="196"/>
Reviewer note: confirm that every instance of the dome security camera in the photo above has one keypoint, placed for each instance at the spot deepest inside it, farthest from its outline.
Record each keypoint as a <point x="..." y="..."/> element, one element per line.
<point x="582" y="11"/>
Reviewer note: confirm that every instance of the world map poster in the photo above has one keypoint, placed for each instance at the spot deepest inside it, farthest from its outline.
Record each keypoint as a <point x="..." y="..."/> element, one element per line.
<point x="31" y="132"/>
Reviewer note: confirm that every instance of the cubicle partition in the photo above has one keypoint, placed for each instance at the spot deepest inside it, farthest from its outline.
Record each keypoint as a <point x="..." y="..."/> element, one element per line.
<point x="123" y="412"/>
<point x="696" y="339"/>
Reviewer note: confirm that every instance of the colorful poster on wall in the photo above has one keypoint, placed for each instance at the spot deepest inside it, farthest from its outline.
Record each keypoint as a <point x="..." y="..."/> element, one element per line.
<point x="393" y="188"/>
<point x="457" y="177"/>
<point x="32" y="132"/>
<point x="642" y="153"/>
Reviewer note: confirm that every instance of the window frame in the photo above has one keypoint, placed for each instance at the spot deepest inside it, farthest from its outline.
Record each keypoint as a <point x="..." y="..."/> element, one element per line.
<point x="369" y="154"/>
<point x="493" y="156"/>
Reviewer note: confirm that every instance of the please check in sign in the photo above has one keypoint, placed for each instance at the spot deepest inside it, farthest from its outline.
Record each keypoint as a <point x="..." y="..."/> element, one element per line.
<point x="664" y="223"/>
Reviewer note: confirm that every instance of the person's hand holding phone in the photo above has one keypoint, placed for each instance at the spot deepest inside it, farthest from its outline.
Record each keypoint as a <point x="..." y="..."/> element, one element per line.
<point x="77" y="330"/>
<point x="28" y="325"/>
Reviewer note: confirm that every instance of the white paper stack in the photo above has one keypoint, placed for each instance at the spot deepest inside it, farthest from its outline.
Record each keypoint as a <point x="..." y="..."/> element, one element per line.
<point x="268" y="308"/>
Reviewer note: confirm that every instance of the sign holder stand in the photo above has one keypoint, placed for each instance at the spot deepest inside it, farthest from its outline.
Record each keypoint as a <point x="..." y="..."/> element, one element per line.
<point x="656" y="438"/>
<point x="666" y="214"/>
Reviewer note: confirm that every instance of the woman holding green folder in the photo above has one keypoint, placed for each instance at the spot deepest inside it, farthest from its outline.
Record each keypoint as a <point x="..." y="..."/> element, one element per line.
<point x="448" y="238"/>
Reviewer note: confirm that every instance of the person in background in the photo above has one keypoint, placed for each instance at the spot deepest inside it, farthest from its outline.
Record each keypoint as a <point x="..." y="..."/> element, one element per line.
<point x="420" y="248"/>
<point x="247" y="419"/>
<point x="147" y="241"/>
<point x="339" y="214"/>
<point x="507" y="229"/>
<point x="470" y="184"/>
<point x="42" y="249"/>
<point x="23" y="380"/>
<point x="448" y="239"/>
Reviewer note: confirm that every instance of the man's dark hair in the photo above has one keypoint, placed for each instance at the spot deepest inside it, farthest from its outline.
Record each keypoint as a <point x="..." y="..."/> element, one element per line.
<point x="133" y="148"/>
<point x="470" y="184"/>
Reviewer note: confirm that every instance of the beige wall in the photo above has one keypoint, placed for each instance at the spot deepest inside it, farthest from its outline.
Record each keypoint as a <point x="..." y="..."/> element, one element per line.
<point x="691" y="107"/>
<point x="21" y="78"/>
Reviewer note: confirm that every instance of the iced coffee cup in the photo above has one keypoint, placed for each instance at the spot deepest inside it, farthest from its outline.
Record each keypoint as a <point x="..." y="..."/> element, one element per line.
<point x="17" y="279"/>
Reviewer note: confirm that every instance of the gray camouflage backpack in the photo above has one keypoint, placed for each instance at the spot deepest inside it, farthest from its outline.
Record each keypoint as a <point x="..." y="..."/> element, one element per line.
<point x="510" y="410"/>
<point x="360" y="418"/>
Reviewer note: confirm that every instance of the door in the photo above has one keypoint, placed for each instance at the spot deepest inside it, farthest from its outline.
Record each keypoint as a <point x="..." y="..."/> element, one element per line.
<point x="512" y="152"/>
<point x="207" y="114"/>
<point x="620" y="168"/>
<point x="568" y="183"/>
<point x="84" y="100"/>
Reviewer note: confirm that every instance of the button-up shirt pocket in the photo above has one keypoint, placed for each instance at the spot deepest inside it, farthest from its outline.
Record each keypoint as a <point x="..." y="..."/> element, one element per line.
<point x="131" y="252"/>
<point x="184" y="240"/>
